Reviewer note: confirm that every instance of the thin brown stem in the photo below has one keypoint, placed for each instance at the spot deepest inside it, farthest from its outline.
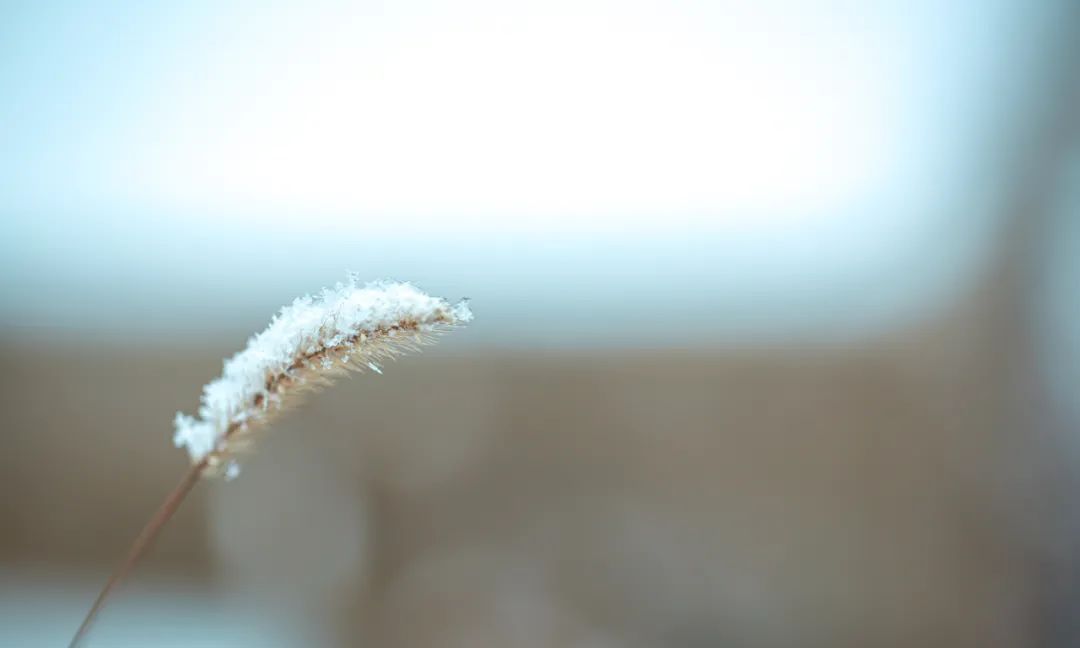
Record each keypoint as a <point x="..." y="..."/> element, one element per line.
<point x="142" y="543"/>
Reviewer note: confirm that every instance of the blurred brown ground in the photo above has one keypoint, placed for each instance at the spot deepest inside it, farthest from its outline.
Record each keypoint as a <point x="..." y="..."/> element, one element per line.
<point x="877" y="494"/>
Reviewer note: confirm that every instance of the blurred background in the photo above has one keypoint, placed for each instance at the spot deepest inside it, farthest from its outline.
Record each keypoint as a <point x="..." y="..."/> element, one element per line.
<point x="777" y="338"/>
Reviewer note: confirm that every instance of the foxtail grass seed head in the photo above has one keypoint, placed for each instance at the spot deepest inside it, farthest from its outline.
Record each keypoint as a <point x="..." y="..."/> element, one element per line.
<point x="316" y="339"/>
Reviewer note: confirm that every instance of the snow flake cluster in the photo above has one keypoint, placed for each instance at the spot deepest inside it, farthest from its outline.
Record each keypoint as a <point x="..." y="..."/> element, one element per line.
<point x="351" y="324"/>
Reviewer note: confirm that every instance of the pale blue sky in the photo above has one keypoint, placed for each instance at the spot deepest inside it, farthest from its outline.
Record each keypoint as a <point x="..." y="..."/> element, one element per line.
<point x="779" y="168"/>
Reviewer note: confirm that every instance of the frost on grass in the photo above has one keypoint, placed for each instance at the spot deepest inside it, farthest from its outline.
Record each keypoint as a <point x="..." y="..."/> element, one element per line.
<point x="351" y="326"/>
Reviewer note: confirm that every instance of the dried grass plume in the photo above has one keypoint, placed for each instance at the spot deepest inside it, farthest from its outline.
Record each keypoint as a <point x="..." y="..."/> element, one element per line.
<point x="312" y="341"/>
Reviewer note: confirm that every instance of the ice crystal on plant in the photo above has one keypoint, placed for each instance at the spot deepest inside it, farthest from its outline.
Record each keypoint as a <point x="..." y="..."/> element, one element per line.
<point x="307" y="344"/>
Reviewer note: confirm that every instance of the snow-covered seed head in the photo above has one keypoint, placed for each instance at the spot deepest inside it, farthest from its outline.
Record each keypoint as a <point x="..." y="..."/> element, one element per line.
<point x="351" y="326"/>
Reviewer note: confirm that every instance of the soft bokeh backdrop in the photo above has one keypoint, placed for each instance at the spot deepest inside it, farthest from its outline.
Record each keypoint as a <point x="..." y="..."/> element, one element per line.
<point x="777" y="337"/>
